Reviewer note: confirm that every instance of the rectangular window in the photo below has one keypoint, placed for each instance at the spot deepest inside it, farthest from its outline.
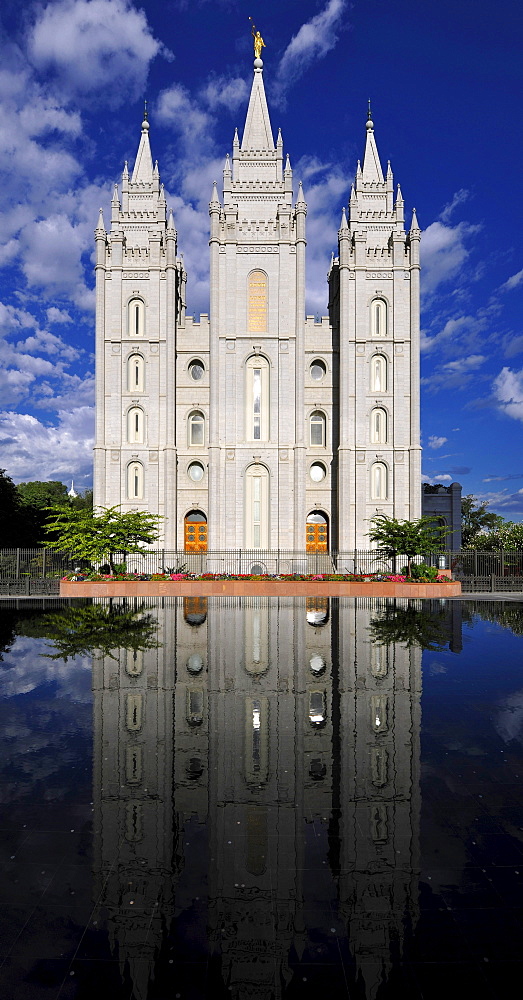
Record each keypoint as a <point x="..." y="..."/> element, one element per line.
<point x="256" y="393"/>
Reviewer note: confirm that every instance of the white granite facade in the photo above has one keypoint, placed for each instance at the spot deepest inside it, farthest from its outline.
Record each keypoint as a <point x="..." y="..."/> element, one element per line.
<point x="258" y="417"/>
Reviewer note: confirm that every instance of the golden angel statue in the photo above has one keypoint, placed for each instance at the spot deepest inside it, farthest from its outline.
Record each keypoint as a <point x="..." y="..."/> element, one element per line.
<point x="259" y="44"/>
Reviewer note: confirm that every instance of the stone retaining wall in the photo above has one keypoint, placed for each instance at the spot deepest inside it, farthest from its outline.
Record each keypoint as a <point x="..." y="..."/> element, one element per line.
<point x="250" y="588"/>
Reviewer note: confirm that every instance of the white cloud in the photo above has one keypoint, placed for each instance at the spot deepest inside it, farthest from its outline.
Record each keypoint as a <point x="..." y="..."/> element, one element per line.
<point x="465" y="364"/>
<point x="55" y="315"/>
<point x="33" y="450"/>
<point x="52" y="251"/>
<point x="313" y="40"/>
<point x="97" y="48"/>
<point x="324" y="186"/>
<point x="512" y="282"/>
<point x="225" y="92"/>
<point x="457" y="199"/>
<point x="444" y="478"/>
<point x="508" y="391"/>
<point x="436" y="442"/>
<point x="443" y="253"/>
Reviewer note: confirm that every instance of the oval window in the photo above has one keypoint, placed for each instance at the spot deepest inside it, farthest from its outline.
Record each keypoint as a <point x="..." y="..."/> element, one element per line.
<point x="196" y="370"/>
<point x="317" y="472"/>
<point x="317" y="370"/>
<point x="195" y="663"/>
<point x="196" y="472"/>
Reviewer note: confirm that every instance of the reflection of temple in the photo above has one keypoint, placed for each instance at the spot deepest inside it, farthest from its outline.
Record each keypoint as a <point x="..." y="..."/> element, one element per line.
<point x="260" y="764"/>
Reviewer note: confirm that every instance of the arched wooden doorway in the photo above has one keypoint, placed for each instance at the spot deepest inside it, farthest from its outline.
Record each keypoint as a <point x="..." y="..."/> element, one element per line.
<point x="317" y="532"/>
<point x="195" y="531"/>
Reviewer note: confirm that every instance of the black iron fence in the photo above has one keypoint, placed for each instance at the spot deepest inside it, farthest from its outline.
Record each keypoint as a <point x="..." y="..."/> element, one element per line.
<point x="478" y="571"/>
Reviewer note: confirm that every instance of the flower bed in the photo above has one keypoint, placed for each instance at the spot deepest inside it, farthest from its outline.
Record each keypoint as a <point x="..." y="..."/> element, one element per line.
<point x="238" y="584"/>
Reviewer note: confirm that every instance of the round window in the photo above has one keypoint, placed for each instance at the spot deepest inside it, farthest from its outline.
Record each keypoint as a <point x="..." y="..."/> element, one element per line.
<point x="195" y="472"/>
<point x="195" y="663"/>
<point x="318" y="370"/>
<point x="196" y="370"/>
<point x="317" y="472"/>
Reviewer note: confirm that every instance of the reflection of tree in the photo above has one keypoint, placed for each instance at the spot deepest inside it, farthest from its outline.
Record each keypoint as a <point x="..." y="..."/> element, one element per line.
<point x="411" y="627"/>
<point x="504" y="613"/>
<point x="101" y="630"/>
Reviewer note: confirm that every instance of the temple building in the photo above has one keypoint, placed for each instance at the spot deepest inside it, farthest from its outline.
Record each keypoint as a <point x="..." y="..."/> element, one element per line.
<point x="258" y="427"/>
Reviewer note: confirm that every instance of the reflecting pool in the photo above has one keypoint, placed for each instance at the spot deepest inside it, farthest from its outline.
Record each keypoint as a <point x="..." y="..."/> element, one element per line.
<point x="260" y="799"/>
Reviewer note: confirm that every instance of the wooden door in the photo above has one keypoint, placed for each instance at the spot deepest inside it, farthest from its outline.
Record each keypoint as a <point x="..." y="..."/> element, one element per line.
<point x="316" y="537"/>
<point x="195" y="538"/>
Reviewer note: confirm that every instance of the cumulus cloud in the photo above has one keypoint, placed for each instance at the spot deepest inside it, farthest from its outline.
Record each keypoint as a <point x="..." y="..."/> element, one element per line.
<point x="508" y="392"/>
<point x="55" y="315"/>
<point x="436" y="442"/>
<point x="97" y="48"/>
<point x="229" y="93"/>
<point x="313" y="40"/>
<point x="443" y="253"/>
<point x="38" y="451"/>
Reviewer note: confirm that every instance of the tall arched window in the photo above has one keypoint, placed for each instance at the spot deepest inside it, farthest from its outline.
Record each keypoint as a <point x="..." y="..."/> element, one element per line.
<point x="135" y="425"/>
<point x="257" y="507"/>
<point x="378" y="481"/>
<point x="196" y="428"/>
<point x="378" y="373"/>
<point x="317" y="428"/>
<point x="378" y="425"/>
<point x="135" y="481"/>
<point x="378" y="318"/>
<point x="257" y="399"/>
<point x="135" y="373"/>
<point x="257" y="302"/>
<point x="136" y="318"/>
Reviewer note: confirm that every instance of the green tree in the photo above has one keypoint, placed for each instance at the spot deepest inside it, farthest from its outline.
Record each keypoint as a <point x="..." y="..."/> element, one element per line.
<point x="35" y="498"/>
<point x="506" y="536"/>
<point x="407" y="538"/>
<point x="476" y="520"/>
<point x="93" y="536"/>
<point x="11" y="514"/>
<point x="99" y="630"/>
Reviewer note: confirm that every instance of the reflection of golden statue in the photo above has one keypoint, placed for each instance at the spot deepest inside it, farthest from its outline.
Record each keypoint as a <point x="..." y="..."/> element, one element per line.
<point x="259" y="44"/>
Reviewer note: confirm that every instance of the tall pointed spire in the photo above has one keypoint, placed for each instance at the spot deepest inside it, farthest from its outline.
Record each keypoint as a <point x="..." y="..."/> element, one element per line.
<point x="258" y="132"/>
<point x="372" y="171"/>
<point x="143" y="167"/>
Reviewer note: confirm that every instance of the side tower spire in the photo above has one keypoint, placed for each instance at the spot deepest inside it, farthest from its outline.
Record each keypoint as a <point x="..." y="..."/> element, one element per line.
<point x="375" y="295"/>
<point x="138" y="313"/>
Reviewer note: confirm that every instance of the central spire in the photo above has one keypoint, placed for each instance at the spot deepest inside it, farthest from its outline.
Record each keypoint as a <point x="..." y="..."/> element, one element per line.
<point x="258" y="132"/>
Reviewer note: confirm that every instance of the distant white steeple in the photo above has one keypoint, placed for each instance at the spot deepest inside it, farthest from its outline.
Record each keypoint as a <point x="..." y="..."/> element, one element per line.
<point x="72" y="492"/>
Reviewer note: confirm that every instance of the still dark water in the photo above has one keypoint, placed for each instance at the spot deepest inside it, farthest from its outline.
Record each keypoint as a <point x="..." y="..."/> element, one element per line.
<point x="261" y="799"/>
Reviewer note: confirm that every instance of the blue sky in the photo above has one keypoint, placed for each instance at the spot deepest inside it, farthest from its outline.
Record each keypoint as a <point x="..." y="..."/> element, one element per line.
<point x="445" y="84"/>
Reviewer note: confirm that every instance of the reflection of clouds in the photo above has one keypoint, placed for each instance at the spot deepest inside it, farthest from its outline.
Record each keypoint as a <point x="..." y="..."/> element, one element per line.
<point x="508" y="720"/>
<point x="437" y="667"/>
<point x="25" y="667"/>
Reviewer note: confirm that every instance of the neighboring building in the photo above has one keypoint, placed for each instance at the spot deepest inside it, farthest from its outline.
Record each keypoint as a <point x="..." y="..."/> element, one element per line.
<point x="443" y="503"/>
<point x="258" y="427"/>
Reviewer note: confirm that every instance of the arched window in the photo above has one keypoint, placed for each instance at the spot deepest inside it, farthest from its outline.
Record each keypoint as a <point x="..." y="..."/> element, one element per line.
<point x="135" y="481"/>
<point x="136" y="318"/>
<point x="135" y="373"/>
<point x="378" y="373"/>
<point x="257" y="399"/>
<point x="257" y="507"/>
<point x="378" y="481"/>
<point x="317" y="428"/>
<point x="257" y="302"/>
<point x="378" y="318"/>
<point x="196" y="428"/>
<point x="378" y="425"/>
<point x="135" y="425"/>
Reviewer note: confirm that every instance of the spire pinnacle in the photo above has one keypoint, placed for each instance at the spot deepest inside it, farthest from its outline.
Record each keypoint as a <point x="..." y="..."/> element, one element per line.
<point x="414" y="227"/>
<point x="372" y="172"/>
<point x="300" y="200"/>
<point x="100" y="228"/>
<point x="143" y="166"/>
<point x="343" y="223"/>
<point x="215" y="201"/>
<point x="257" y="133"/>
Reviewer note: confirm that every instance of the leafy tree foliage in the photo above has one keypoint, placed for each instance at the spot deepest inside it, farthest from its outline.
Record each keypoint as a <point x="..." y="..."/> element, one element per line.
<point x="98" y="630"/>
<point x="11" y="514"/>
<point x="407" y="538"/>
<point x="477" y="520"/>
<point x="506" y="536"/>
<point x="93" y="536"/>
